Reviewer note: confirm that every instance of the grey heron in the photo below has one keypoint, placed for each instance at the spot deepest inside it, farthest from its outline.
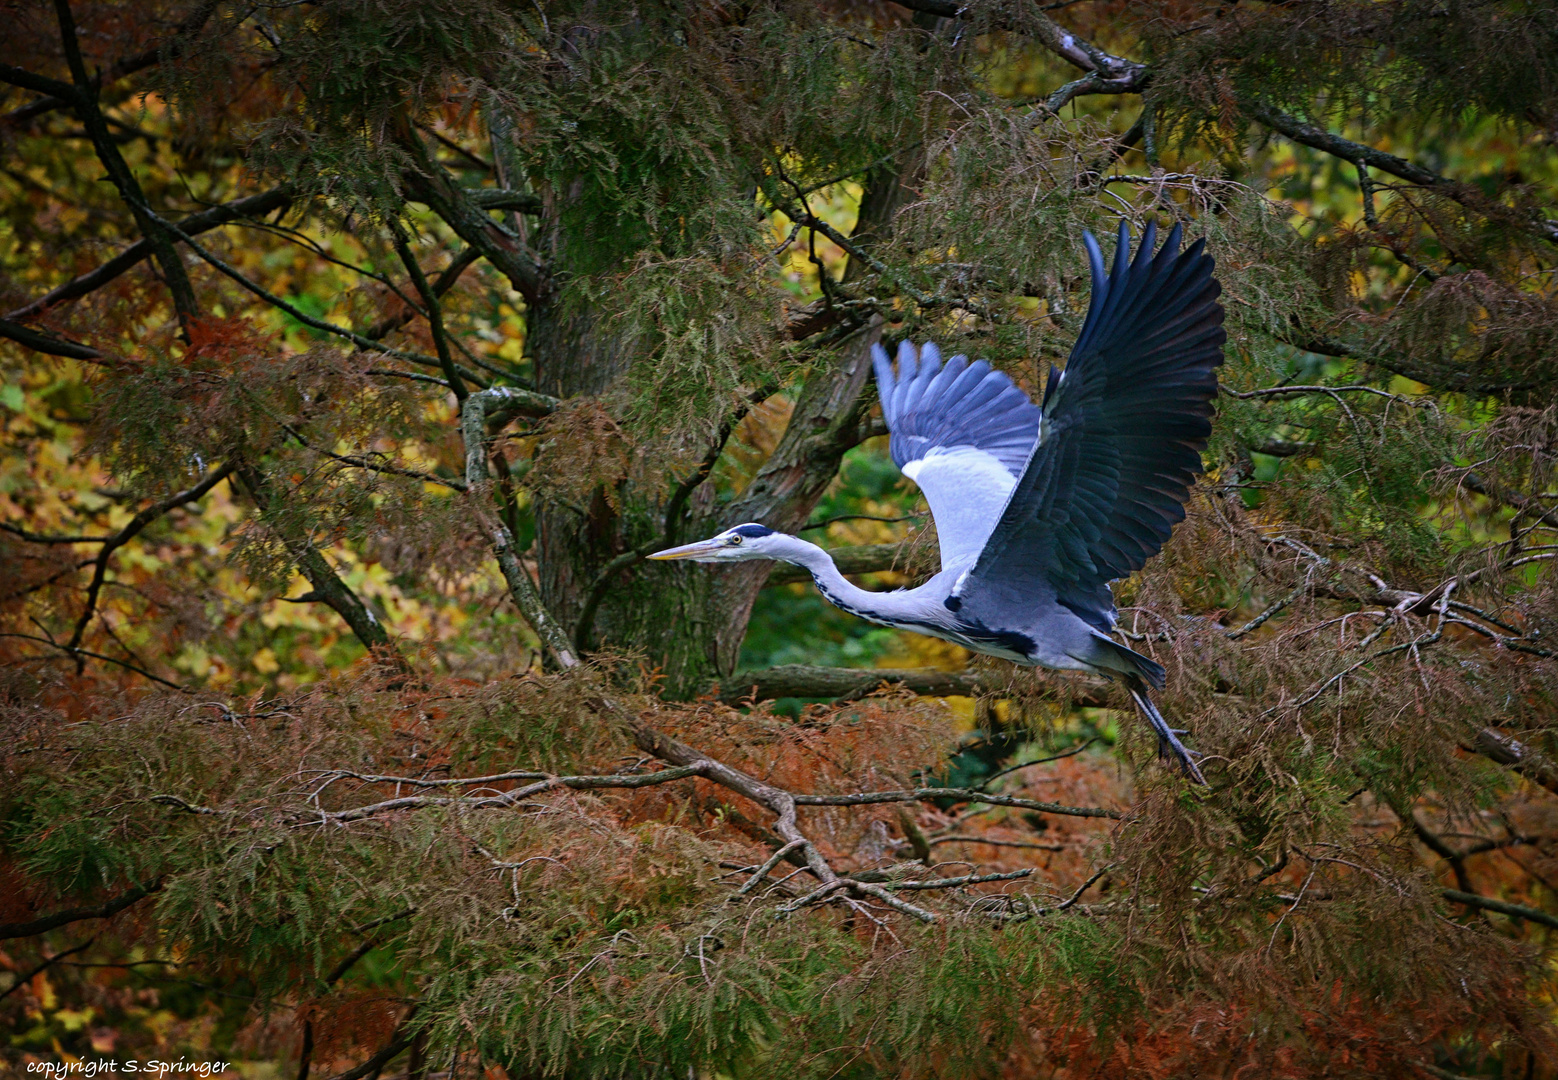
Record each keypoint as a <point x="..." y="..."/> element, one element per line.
<point x="1038" y="509"/>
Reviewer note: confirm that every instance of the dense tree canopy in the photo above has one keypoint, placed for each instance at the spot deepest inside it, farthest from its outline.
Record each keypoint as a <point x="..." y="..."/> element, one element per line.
<point x="356" y="354"/>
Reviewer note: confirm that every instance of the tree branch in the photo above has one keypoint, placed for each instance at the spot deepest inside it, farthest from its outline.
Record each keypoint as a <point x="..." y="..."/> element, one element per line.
<point x="1515" y="754"/>
<point x="377" y="1062"/>
<point x="367" y="344"/>
<point x="806" y="681"/>
<point x="506" y="799"/>
<point x="441" y="285"/>
<point x="119" y="69"/>
<point x="474" y="418"/>
<point x="47" y="343"/>
<point x="1523" y="503"/>
<point x="674" y="508"/>
<point x="27" y="976"/>
<point x="124" y="536"/>
<point x="434" y="314"/>
<point x="973" y="795"/>
<point x="192" y="225"/>
<point x="328" y="586"/>
<point x="503" y="199"/>
<point x="430" y="183"/>
<point x="38" y="84"/>
<point x="1362" y="155"/>
<point x="106" y="910"/>
<point x="1487" y="903"/>
<point x="85" y="105"/>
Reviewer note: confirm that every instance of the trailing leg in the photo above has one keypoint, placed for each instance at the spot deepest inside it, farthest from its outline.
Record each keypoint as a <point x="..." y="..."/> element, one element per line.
<point x="1169" y="745"/>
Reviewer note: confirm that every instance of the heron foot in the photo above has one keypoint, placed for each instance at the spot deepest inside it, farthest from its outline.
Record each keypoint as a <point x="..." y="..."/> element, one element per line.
<point x="1169" y="746"/>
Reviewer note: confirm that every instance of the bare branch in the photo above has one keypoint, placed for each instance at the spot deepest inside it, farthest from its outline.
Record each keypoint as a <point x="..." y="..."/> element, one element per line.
<point x="27" y="976"/>
<point x="807" y="681"/>
<point x="376" y="1063"/>
<point x="1487" y="903"/>
<point x="128" y="533"/>
<point x="119" y="69"/>
<point x="503" y="199"/>
<point x="441" y="285"/>
<point x="47" y="343"/>
<point x="78" y="653"/>
<point x="106" y="910"/>
<point x="1361" y="155"/>
<point x="38" y="84"/>
<point x="872" y="798"/>
<point x="86" y="109"/>
<point x="193" y="225"/>
<point x="40" y="538"/>
<point x="1524" y="503"/>
<point x="1523" y="759"/>
<point x="367" y="344"/>
<point x="959" y="882"/>
<point x="460" y="210"/>
<point x="507" y="798"/>
<point x="327" y="585"/>
<point x="474" y="417"/>
<point x="1081" y="889"/>
<point x="434" y="314"/>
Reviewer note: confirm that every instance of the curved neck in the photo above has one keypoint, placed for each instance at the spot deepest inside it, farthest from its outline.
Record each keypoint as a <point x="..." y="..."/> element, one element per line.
<point x="833" y="585"/>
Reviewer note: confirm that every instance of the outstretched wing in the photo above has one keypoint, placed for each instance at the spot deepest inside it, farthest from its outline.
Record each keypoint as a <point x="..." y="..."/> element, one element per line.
<point x="963" y="433"/>
<point x="1124" y="427"/>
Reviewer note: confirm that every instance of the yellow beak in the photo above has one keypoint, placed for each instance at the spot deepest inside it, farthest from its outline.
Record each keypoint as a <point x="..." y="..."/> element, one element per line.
<point x="690" y="551"/>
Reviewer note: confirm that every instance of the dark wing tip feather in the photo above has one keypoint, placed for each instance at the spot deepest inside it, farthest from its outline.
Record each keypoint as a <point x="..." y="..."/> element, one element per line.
<point x="1128" y="419"/>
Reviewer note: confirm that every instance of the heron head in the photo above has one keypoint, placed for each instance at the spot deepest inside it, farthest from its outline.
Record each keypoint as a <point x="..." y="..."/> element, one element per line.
<point x="740" y="544"/>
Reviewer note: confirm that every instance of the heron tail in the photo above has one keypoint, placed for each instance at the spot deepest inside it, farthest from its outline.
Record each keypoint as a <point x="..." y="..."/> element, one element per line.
<point x="1169" y="745"/>
<point x="1131" y="665"/>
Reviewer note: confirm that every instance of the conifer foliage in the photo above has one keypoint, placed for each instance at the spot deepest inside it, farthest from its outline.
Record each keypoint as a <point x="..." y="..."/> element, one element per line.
<point x="356" y="353"/>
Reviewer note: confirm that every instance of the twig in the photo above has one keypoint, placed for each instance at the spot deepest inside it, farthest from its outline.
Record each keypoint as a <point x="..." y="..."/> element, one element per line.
<point x="859" y="517"/>
<point x="78" y="652"/>
<point x="959" y="882"/>
<point x="969" y="794"/>
<point x="508" y="798"/>
<point x="1086" y="885"/>
<point x="128" y="533"/>
<point x="367" y="344"/>
<point x="957" y="839"/>
<point x="27" y="977"/>
<point x="767" y="868"/>
<point x="1260" y="620"/>
<point x="1073" y="752"/>
<point x="902" y="906"/>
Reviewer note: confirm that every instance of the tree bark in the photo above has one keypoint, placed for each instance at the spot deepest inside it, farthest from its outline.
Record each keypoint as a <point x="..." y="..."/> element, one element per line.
<point x="688" y="619"/>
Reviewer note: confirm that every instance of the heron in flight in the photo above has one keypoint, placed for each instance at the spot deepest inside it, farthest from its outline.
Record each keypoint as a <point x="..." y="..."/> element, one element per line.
<point x="1038" y="509"/>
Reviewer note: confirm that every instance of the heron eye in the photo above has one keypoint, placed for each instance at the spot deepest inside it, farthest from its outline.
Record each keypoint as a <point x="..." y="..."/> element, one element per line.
<point x="734" y="541"/>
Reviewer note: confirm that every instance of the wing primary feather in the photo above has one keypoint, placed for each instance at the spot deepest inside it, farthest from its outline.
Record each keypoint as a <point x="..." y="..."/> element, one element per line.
<point x="1095" y="266"/>
<point x="883" y="368"/>
<point x="907" y="370"/>
<point x="1126" y="422"/>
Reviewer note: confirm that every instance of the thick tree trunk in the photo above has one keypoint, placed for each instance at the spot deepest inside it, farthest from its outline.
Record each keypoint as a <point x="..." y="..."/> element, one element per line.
<point x="688" y="619"/>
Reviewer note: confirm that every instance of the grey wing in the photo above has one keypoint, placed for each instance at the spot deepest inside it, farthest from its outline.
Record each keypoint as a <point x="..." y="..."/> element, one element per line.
<point x="963" y="433"/>
<point x="1125" y="425"/>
